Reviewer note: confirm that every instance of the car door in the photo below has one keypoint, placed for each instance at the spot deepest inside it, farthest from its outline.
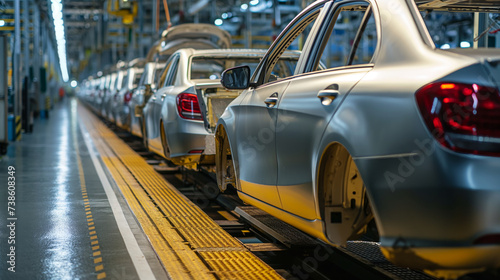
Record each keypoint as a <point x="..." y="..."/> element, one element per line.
<point x="311" y="100"/>
<point x="257" y="113"/>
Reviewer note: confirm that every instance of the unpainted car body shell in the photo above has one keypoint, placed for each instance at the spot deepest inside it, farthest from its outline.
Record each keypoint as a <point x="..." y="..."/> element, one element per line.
<point x="422" y="194"/>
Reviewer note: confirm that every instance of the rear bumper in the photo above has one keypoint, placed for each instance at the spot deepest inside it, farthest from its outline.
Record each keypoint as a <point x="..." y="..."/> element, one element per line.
<point x="445" y="262"/>
<point x="186" y="140"/>
<point x="431" y="206"/>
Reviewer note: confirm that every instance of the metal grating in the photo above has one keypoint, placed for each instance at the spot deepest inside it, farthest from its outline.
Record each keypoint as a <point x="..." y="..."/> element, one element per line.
<point x="370" y="251"/>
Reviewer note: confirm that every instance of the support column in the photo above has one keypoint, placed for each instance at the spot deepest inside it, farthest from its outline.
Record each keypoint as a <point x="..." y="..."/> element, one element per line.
<point x="480" y="25"/>
<point x="26" y="110"/>
<point x="17" y="73"/>
<point x="4" y="96"/>
<point x="248" y="29"/>
<point x="37" y="54"/>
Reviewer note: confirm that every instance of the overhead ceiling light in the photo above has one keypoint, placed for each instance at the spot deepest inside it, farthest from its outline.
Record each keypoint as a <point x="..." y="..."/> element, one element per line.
<point x="254" y="2"/>
<point x="445" y="46"/>
<point x="464" y="44"/>
<point x="218" y="22"/>
<point x="244" y="7"/>
<point x="74" y="84"/>
<point x="2" y="23"/>
<point x="57" y="17"/>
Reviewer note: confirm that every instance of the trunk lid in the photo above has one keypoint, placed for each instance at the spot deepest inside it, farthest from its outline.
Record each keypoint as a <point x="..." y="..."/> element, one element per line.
<point x="489" y="57"/>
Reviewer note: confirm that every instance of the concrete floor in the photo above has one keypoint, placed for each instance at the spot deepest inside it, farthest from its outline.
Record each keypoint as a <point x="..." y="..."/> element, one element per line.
<point x="55" y="229"/>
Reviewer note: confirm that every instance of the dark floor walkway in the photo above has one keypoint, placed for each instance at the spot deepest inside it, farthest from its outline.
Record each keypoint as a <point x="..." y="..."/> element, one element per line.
<point x="62" y="225"/>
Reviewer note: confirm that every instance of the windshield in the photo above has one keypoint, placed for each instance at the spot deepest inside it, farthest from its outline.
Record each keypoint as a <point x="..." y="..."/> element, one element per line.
<point x="211" y="68"/>
<point x="453" y="29"/>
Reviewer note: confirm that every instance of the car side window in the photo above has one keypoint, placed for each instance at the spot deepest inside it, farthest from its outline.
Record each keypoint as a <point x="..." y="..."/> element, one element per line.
<point x="351" y="40"/>
<point x="170" y="79"/>
<point x="282" y="69"/>
<point x="160" y="79"/>
<point x="292" y="40"/>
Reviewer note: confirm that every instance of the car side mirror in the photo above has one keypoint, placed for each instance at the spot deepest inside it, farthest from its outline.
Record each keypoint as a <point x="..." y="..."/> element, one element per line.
<point x="236" y="77"/>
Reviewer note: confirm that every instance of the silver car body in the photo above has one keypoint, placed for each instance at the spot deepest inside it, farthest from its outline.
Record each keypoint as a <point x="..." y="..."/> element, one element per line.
<point x="121" y="108"/>
<point x="190" y="141"/>
<point x="141" y="95"/>
<point x="111" y="96"/>
<point x="189" y="35"/>
<point x="435" y="208"/>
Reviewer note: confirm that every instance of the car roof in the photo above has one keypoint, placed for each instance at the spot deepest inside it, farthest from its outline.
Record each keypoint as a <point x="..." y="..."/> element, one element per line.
<point x="234" y="52"/>
<point x="460" y="5"/>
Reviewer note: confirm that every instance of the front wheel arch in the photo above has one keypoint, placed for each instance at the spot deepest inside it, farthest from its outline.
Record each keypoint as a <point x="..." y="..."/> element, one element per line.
<point x="144" y="133"/>
<point x="164" y="142"/>
<point x="227" y="179"/>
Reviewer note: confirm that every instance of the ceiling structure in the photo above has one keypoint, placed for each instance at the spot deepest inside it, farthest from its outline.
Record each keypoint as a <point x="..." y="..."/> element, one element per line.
<point x="99" y="33"/>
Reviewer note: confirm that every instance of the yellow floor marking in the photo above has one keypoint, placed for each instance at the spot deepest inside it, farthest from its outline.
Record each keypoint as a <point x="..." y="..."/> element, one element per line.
<point x="227" y="216"/>
<point x="95" y="242"/>
<point x="99" y="267"/>
<point x="98" y="260"/>
<point x="88" y="212"/>
<point x="91" y="224"/>
<point x="189" y="244"/>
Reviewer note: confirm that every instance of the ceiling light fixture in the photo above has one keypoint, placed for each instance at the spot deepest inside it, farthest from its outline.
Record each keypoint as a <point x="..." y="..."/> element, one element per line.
<point x="57" y="17"/>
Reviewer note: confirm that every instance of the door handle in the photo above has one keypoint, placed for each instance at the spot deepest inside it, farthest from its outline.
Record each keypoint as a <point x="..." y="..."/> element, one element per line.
<point x="328" y="95"/>
<point x="271" y="100"/>
<point x="163" y="97"/>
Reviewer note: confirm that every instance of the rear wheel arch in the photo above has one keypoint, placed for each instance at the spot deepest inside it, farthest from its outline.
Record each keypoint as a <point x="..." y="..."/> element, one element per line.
<point x="343" y="199"/>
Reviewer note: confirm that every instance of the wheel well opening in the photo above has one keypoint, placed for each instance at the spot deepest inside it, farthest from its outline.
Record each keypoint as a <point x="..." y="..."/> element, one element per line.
<point x="226" y="176"/>
<point x="343" y="200"/>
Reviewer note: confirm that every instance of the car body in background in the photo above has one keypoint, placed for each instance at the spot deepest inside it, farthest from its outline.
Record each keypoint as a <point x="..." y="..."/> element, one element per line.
<point x="394" y="131"/>
<point x="120" y="105"/>
<point x="141" y="94"/>
<point x="190" y="35"/>
<point x="181" y="114"/>
<point x="117" y="81"/>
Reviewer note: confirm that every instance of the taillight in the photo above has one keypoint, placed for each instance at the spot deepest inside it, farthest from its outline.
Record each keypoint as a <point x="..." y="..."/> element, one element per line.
<point x="462" y="117"/>
<point x="188" y="106"/>
<point x="127" y="97"/>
